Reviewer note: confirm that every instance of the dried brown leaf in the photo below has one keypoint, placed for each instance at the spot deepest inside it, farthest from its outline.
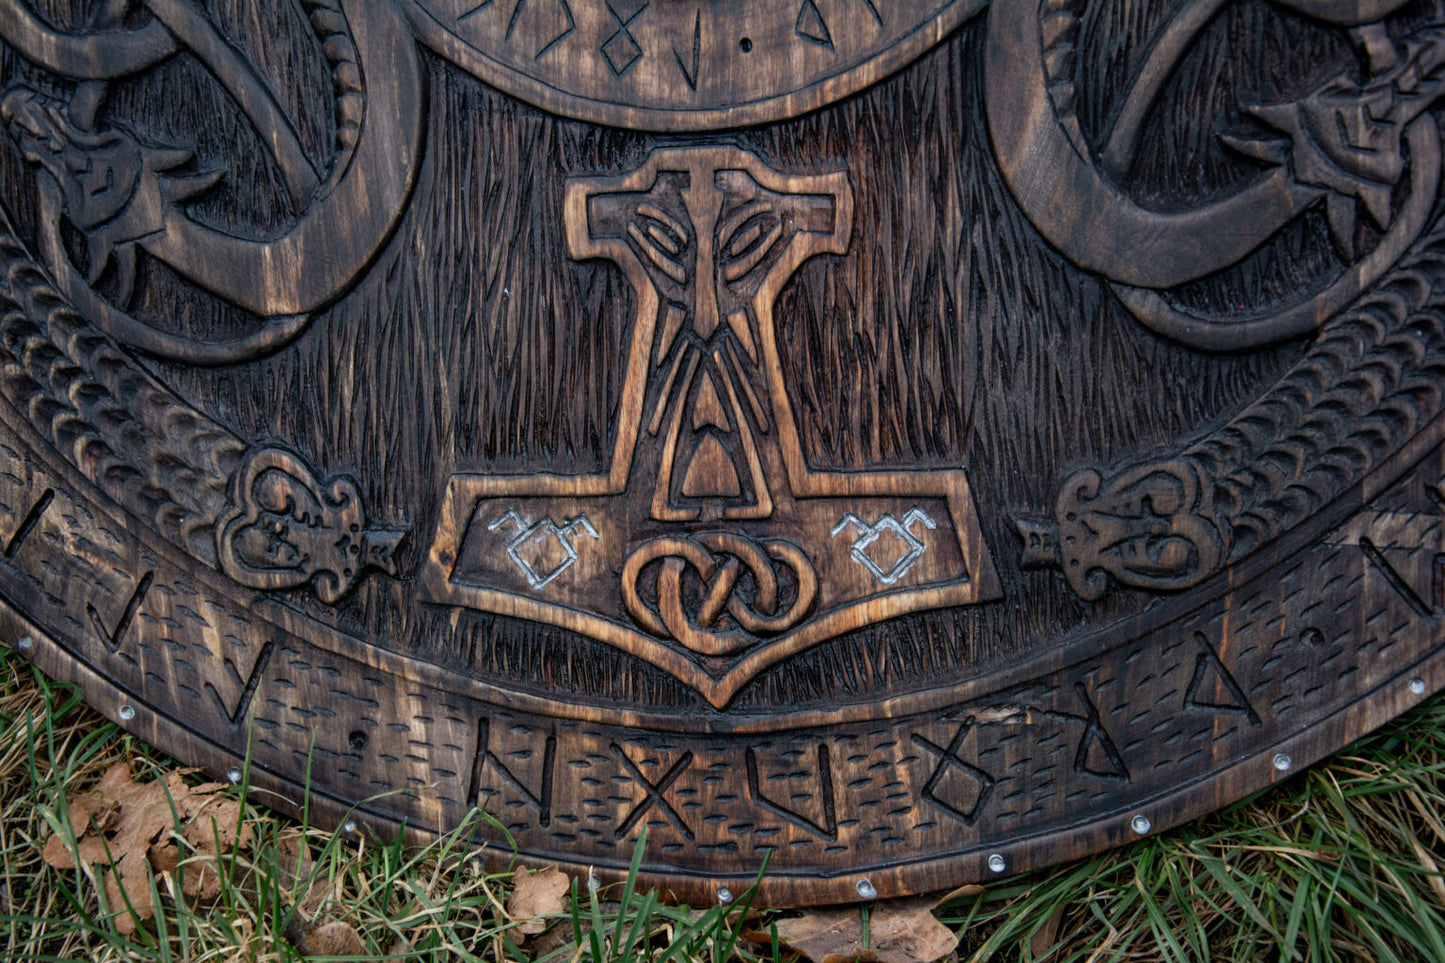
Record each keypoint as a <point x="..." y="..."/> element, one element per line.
<point x="212" y="832"/>
<point x="900" y="931"/>
<point x="121" y="824"/>
<point x="164" y="856"/>
<point x="555" y="939"/>
<point x="90" y="849"/>
<point x="295" y="867"/>
<point x="824" y="934"/>
<point x="906" y="931"/>
<point x="215" y="821"/>
<point x="84" y="811"/>
<point x="965" y="891"/>
<point x="535" y="895"/>
<point x="1047" y="935"/>
<point x="328" y="939"/>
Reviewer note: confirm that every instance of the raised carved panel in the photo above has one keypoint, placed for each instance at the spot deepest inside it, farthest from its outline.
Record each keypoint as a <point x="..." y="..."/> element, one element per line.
<point x="878" y="437"/>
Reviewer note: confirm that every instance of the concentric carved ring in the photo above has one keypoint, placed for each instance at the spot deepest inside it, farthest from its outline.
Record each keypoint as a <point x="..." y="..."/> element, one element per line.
<point x="722" y="560"/>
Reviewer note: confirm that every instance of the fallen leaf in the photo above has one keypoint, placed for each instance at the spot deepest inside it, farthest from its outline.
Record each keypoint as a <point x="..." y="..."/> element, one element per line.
<point x="899" y="931"/>
<point x="212" y="832"/>
<point x="90" y="850"/>
<point x="555" y="939"/>
<point x="328" y="939"/>
<point x="535" y="895"/>
<point x="906" y="931"/>
<point x="825" y="935"/>
<point x="83" y="811"/>
<point x="965" y="891"/>
<point x="1046" y="935"/>
<point x="120" y="825"/>
<point x="295" y="870"/>
<point x="335" y="939"/>
<point x="164" y="856"/>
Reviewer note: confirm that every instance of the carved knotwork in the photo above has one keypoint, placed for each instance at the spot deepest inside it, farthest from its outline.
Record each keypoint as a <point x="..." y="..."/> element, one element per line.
<point x="764" y="588"/>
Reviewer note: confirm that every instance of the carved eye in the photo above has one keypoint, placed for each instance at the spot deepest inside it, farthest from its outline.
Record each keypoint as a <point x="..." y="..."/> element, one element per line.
<point x="748" y="236"/>
<point x="661" y="238"/>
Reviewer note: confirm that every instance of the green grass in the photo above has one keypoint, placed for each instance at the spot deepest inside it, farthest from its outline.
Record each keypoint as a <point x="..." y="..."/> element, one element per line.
<point x="1338" y="863"/>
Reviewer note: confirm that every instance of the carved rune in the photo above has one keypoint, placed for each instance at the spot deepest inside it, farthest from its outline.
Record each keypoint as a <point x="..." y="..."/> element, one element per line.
<point x="896" y="558"/>
<point x="720" y="530"/>
<point x="543" y="550"/>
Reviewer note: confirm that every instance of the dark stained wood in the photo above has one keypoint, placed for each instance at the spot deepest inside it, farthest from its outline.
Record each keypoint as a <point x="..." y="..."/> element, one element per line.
<point x="910" y="441"/>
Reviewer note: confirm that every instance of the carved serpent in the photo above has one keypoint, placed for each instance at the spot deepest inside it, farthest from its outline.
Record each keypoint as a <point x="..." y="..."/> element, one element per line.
<point x="1375" y="377"/>
<point x="1075" y="200"/>
<point x="1371" y="379"/>
<point x="150" y="451"/>
<point x="125" y="431"/>
<point x="378" y="146"/>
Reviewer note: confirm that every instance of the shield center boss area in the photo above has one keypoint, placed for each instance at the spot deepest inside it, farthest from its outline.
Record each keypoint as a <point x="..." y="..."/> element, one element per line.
<point x="903" y="443"/>
<point x="709" y="548"/>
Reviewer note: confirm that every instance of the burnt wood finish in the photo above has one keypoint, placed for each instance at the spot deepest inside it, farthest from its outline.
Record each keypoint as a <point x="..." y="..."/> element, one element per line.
<point x="911" y="441"/>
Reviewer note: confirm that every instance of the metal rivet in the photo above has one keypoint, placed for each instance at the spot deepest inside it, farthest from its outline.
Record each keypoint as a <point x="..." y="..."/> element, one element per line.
<point x="1141" y="824"/>
<point x="1282" y="762"/>
<point x="593" y="883"/>
<point x="1417" y="685"/>
<point x="127" y="713"/>
<point x="349" y="827"/>
<point x="26" y="643"/>
<point x="234" y="774"/>
<point x="865" y="888"/>
<point x="724" y="895"/>
<point x="997" y="863"/>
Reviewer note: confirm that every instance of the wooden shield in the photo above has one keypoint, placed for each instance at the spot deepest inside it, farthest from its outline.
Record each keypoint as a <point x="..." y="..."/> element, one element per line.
<point x="903" y="442"/>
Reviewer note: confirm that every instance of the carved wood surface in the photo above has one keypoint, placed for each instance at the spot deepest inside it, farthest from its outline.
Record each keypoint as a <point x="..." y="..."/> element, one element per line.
<point x="911" y="441"/>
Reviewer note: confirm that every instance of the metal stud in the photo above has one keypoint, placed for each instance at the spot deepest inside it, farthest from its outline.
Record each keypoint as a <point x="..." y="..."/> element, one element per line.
<point x="349" y="826"/>
<point x="1141" y="824"/>
<point x="1282" y="762"/>
<point x="997" y="863"/>
<point x="724" y="895"/>
<point x="1417" y="685"/>
<point x="126" y="713"/>
<point x="234" y="774"/>
<point x="26" y="643"/>
<point x="865" y="888"/>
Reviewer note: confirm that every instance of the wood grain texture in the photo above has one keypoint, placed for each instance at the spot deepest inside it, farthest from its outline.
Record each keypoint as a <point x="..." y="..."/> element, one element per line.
<point x="943" y="448"/>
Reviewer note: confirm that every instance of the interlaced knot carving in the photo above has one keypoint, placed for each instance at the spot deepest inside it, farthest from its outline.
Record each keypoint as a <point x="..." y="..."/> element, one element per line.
<point x="725" y="563"/>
